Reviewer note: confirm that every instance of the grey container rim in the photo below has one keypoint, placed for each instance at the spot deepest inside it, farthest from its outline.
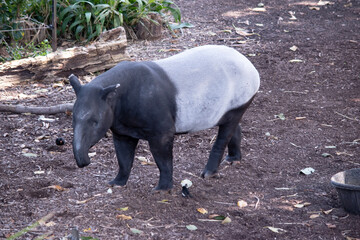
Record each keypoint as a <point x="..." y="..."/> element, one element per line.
<point x="345" y="186"/>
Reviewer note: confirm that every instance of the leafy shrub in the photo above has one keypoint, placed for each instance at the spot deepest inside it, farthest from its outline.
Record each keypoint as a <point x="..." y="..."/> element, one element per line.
<point x="83" y="19"/>
<point x="17" y="51"/>
<point x="77" y="19"/>
<point x="10" y="12"/>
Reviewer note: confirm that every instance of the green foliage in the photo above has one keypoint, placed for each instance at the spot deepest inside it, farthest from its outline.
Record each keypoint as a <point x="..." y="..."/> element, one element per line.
<point x="18" y="51"/>
<point x="77" y="19"/>
<point x="84" y="19"/>
<point x="10" y="11"/>
<point x="134" y="10"/>
<point x="40" y="10"/>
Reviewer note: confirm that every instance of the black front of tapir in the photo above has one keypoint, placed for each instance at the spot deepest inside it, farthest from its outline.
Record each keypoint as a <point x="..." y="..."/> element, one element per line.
<point x="145" y="100"/>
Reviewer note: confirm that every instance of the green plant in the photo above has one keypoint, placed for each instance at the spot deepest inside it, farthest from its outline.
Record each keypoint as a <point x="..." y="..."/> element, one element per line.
<point x="40" y="10"/>
<point x="77" y="19"/>
<point x="10" y="12"/>
<point x="85" y="19"/>
<point x="17" y="51"/>
<point x="134" y="10"/>
<point x="42" y="49"/>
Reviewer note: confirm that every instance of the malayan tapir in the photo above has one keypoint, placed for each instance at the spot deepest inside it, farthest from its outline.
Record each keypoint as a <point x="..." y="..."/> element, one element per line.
<point x="197" y="89"/>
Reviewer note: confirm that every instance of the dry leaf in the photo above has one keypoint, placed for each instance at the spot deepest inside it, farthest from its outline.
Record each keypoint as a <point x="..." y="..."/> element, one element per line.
<point x="292" y="14"/>
<point x="87" y="230"/>
<point x="202" y="210"/>
<point x="276" y="230"/>
<point x="136" y="231"/>
<point x="241" y="42"/>
<point x="307" y="171"/>
<point x="30" y="155"/>
<point x="123" y="209"/>
<point x="50" y="224"/>
<point x="327" y="212"/>
<point x="242" y="204"/>
<point x="57" y="188"/>
<point x="296" y="61"/>
<point x="226" y="220"/>
<point x="294" y="48"/>
<point x="259" y="9"/>
<point x="170" y="50"/>
<point x="58" y="85"/>
<point x="312" y="216"/>
<point x="351" y="238"/>
<point x="301" y="205"/>
<point x="331" y="226"/>
<point x="86" y="200"/>
<point x="123" y="217"/>
<point x="242" y="32"/>
<point x="208" y="220"/>
<point x="92" y="154"/>
<point x="344" y="153"/>
<point x="145" y="161"/>
<point x="191" y="227"/>
<point x="323" y="3"/>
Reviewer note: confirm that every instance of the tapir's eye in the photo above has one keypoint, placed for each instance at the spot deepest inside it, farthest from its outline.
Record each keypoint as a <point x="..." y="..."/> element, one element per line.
<point x="93" y="122"/>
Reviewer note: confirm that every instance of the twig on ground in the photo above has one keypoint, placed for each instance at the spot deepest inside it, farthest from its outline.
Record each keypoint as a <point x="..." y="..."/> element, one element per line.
<point x="42" y="221"/>
<point x="353" y="119"/>
<point x="257" y="203"/>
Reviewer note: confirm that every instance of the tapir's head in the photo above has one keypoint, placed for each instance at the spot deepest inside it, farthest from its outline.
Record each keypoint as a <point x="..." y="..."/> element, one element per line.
<point x="92" y="117"/>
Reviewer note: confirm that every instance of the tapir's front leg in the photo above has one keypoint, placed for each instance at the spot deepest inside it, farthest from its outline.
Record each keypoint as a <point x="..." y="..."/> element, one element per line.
<point x="161" y="148"/>
<point x="125" y="151"/>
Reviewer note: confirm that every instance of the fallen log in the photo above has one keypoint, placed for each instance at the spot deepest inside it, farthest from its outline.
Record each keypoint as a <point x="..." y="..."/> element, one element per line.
<point x="99" y="56"/>
<point x="61" y="108"/>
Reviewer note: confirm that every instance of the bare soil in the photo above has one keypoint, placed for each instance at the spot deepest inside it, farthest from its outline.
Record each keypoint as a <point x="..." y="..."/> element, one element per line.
<point x="305" y="115"/>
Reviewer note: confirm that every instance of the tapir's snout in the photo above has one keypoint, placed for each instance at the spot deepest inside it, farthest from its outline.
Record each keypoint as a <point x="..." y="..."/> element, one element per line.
<point x="82" y="164"/>
<point x="81" y="156"/>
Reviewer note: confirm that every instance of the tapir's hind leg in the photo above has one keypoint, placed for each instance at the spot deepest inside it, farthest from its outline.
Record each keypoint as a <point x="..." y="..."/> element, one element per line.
<point x="229" y="134"/>
<point x="225" y="133"/>
<point x="234" y="151"/>
<point x="125" y="151"/>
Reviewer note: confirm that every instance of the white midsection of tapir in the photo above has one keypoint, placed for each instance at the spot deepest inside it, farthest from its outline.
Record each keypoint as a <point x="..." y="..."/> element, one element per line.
<point x="210" y="81"/>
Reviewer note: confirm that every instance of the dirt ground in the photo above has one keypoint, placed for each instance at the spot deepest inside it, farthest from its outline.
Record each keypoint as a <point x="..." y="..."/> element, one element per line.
<point x="306" y="114"/>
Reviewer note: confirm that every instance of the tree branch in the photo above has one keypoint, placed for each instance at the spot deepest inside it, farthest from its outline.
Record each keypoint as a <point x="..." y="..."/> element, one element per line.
<point x="61" y="108"/>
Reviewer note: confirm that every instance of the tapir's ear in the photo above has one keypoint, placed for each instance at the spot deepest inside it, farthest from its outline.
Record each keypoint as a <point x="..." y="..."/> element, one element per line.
<point x="75" y="83"/>
<point x="110" y="92"/>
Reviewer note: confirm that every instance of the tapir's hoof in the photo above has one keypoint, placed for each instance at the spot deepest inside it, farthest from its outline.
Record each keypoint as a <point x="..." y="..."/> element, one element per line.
<point x="232" y="159"/>
<point x="163" y="187"/>
<point x="117" y="183"/>
<point x="210" y="174"/>
<point x="161" y="191"/>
